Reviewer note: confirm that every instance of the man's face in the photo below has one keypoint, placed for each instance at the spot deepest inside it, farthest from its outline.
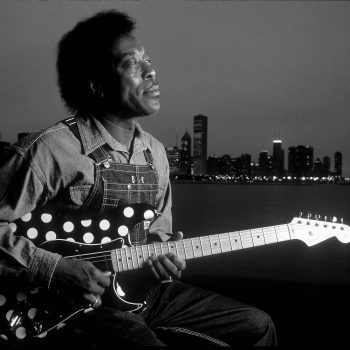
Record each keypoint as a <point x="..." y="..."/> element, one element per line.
<point x="131" y="90"/>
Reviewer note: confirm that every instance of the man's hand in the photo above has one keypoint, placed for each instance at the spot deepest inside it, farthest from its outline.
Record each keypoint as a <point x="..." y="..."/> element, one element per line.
<point x="168" y="265"/>
<point x="80" y="278"/>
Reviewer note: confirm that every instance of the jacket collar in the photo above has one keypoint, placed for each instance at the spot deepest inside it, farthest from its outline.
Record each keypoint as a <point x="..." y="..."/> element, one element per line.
<point x="94" y="135"/>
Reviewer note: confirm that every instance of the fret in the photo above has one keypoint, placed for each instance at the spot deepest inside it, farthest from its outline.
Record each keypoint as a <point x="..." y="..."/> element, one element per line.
<point x="140" y="259"/>
<point x="283" y="233"/>
<point x="151" y="250"/>
<point x="188" y="248"/>
<point x="134" y="258"/>
<point x="145" y="252"/>
<point x="270" y="235"/>
<point x="215" y="244"/>
<point x="158" y="248"/>
<point x="119" y="260"/>
<point x="128" y="258"/>
<point x="197" y="249"/>
<point x="257" y="237"/>
<point x="181" y="249"/>
<point x="114" y="260"/>
<point x="205" y="244"/>
<point x="225" y="242"/>
<point x="235" y="239"/>
<point x="124" y="263"/>
<point x="172" y="247"/>
<point x="246" y="239"/>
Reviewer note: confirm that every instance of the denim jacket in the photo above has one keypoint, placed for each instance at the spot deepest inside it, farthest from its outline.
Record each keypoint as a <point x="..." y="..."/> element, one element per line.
<point x="43" y="165"/>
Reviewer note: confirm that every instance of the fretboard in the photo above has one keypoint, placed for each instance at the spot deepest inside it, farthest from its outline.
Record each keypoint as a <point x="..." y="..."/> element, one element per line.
<point x="131" y="258"/>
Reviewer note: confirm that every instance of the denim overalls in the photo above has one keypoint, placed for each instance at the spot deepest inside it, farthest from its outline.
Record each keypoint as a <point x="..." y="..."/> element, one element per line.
<point x="118" y="184"/>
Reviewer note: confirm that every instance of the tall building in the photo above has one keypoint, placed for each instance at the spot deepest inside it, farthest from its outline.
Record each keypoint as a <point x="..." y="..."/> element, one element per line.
<point x="186" y="154"/>
<point x="326" y="165"/>
<point x="300" y="160"/>
<point x="200" y="137"/>
<point x="265" y="163"/>
<point x="173" y="154"/>
<point x="338" y="163"/>
<point x="277" y="158"/>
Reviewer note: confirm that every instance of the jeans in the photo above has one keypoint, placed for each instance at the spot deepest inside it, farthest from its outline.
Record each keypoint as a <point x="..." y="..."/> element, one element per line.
<point x="177" y="314"/>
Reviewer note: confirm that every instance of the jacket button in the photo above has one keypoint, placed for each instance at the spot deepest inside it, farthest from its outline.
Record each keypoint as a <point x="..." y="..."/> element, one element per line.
<point x="106" y="165"/>
<point x="129" y="187"/>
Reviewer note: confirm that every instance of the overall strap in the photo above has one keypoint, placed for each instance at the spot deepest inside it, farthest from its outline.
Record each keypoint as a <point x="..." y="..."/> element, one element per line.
<point x="99" y="155"/>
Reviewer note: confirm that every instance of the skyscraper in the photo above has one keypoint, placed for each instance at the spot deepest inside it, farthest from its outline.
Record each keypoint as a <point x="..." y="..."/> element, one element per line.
<point x="277" y="158"/>
<point x="200" y="132"/>
<point x="300" y="160"/>
<point x="338" y="163"/>
<point x="186" y="153"/>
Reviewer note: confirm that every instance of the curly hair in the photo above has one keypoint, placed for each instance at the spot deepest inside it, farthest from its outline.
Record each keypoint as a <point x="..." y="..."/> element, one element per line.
<point x="82" y="56"/>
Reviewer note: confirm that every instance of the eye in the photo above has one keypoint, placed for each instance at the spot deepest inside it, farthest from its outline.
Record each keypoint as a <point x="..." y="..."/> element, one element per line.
<point x="147" y="60"/>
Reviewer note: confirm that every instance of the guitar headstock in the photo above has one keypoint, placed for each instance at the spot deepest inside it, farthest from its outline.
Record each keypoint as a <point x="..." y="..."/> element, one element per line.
<point x="314" y="231"/>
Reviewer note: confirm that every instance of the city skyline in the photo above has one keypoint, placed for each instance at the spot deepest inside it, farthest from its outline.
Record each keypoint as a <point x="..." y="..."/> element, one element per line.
<point x="277" y="154"/>
<point x="256" y="69"/>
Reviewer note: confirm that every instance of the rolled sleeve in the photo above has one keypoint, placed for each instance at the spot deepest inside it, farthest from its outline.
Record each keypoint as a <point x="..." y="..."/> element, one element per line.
<point x="42" y="266"/>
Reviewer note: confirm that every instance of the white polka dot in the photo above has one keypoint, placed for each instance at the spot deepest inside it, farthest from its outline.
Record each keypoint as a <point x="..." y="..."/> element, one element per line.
<point x="27" y="217"/>
<point x="50" y="236"/>
<point x="104" y="224"/>
<point x="128" y="212"/>
<point x="32" y="312"/>
<point x="70" y="239"/>
<point x="86" y="223"/>
<point x="148" y="214"/>
<point x="32" y="233"/>
<point x="46" y="218"/>
<point x="21" y="332"/>
<point x="2" y="300"/>
<point x="3" y="336"/>
<point x="61" y="325"/>
<point x="9" y="315"/>
<point x="105" y="240"/>
<point x="123" y="230"/>
<point x="68" y="226"/>
<point x="42" y="335"/>
<point x="88" y="237"/>
<point x="21" y="296"/>
<point x="13" y="226"/>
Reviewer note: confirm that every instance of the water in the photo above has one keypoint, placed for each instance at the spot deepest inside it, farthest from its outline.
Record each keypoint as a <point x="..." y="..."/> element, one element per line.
<point x="203" y="209"/>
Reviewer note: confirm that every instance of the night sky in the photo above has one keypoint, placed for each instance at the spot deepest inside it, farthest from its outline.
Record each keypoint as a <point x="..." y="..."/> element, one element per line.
<point x="258" y="69"/>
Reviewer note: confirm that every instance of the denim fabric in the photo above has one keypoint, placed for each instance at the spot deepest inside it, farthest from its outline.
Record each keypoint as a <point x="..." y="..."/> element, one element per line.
<point x="53" y="167"/>
<point x="178" y="315"/>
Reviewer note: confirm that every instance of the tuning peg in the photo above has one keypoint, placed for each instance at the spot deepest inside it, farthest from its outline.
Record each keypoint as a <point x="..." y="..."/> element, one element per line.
<point x="334" y="219"/>
<point x="309" y="215"/>
<point x="342" y="220"/>
<point x="300" y="214"/>
<point x="325" y="218"/>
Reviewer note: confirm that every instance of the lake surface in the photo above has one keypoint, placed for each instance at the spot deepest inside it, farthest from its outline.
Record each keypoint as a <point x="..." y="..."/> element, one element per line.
<point x="204" y="209"/>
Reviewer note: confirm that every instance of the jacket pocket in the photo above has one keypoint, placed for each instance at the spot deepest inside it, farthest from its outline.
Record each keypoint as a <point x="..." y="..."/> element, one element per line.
<point x="79" y="194"/>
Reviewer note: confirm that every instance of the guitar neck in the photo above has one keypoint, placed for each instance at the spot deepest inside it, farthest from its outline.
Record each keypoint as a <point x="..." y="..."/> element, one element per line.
<point x="131" y="258"/>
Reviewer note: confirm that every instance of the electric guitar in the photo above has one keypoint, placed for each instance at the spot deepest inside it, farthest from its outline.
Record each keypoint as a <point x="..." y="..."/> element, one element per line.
<point x="117" y="244"/>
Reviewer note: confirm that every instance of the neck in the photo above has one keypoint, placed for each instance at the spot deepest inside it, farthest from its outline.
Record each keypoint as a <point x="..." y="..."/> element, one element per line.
<point x="122" y="130"/>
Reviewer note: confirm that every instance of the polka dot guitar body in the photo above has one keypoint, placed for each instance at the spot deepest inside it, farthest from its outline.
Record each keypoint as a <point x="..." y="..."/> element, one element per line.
<point x="113" y="242"/>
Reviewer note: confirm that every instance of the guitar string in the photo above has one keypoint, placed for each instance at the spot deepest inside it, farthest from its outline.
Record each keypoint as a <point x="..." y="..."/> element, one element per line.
<point x="105" y="255"/>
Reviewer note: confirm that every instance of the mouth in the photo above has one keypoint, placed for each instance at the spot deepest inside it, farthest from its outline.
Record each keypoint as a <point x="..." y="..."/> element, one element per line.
<point x="152" y="91"/>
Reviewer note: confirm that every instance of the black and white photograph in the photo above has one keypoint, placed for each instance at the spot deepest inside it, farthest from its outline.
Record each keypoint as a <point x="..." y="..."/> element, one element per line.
<point x="174" y="173"/>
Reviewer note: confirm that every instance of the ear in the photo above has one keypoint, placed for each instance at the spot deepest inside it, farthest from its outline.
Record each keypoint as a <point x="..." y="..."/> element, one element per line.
<point x="96" y="89"/>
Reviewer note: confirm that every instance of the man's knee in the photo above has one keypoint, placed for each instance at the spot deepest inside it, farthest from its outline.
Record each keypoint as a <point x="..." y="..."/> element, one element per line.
<point x="261" y="327"/>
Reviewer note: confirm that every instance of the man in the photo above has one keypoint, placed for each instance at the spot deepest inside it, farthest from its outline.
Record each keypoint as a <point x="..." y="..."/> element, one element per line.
<point x="101" y="159"/>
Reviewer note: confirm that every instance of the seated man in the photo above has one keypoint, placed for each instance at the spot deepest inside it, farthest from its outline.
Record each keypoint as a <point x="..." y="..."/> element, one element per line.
<point x="101" y="159"/>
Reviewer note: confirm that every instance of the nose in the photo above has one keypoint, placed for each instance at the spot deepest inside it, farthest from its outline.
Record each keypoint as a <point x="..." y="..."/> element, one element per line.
<point x="148" y="71"/>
